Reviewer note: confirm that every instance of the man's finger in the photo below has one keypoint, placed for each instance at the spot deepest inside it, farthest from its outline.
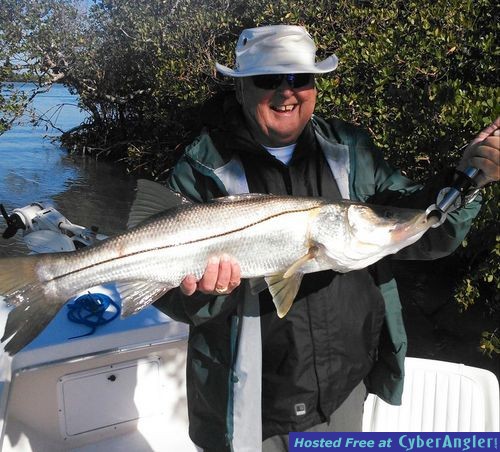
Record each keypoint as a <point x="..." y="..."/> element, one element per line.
<point x="188" y="285"/>
<point x="224" y="276"/>
<point x="209" y="278"/>
<point x="235" y="279"/>
<point x="490" y="130"/>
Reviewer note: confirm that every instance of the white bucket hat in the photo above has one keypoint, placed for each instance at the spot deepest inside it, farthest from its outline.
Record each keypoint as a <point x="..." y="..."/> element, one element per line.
<point x="276" y="49"/>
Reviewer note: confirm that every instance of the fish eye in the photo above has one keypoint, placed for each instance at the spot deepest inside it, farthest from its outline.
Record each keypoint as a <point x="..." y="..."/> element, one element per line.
<point x="388" y="214"/>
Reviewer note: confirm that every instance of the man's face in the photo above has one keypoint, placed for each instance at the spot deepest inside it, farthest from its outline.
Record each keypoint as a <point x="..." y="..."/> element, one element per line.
<point x="277" y="116"/>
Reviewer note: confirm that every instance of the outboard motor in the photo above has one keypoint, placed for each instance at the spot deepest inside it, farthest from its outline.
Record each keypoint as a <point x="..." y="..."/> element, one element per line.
<point x="46" y="230"/>
<point x="14" y="223"/>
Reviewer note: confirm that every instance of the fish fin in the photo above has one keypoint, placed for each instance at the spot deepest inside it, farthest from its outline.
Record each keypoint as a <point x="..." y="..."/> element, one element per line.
<point x="257" y="285"/>
<point x="137" y="294"/>
<point x="299" y="263"/>
<point x="284" y="286"/>
<point x="152" y="198"/>
<point x="25" y="322"/>
<point x="283" y="291"/>
<point x="33" y="308"/>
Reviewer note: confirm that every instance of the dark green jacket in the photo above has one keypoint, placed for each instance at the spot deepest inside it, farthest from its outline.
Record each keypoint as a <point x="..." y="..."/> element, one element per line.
<point x="213" y="370"/>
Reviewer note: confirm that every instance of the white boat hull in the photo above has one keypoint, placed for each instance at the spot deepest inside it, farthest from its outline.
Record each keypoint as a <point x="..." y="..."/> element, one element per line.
<point x="122" y="388"/>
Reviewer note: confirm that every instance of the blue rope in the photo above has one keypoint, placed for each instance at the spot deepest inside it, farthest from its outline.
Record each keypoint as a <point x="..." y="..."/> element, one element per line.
<point x="90" y="310"/>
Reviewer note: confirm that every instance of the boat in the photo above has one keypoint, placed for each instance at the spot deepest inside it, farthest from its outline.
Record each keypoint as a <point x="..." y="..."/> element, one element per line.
<point x="91" y="381"/>
<point x="113" y="384"/>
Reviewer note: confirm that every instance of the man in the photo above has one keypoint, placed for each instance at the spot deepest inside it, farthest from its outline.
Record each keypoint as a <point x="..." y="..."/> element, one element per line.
<point x="252" y="377"/>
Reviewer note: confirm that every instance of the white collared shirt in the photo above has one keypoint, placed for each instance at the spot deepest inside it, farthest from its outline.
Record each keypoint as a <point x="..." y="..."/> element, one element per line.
<point x="283" y="154"/>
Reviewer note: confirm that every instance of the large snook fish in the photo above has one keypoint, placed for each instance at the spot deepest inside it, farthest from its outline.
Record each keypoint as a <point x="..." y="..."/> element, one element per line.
<point x="276" y="237"/>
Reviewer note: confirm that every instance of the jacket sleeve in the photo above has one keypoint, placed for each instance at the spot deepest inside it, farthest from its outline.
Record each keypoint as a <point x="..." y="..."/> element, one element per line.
<point x="197" y="308"/>
<point x="379" y="183"/>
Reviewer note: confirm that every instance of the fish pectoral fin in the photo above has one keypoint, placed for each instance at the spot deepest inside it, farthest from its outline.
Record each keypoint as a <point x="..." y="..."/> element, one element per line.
<point x="284" y="286"/>
<point x="283" y="290"/>
<point x="151" y="199"/>
<point x="137" y="294"/>
<point x="299" y="263"/>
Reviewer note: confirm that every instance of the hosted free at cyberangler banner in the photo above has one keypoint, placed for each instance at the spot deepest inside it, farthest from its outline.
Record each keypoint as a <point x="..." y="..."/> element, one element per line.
<point x="394" y="441"/>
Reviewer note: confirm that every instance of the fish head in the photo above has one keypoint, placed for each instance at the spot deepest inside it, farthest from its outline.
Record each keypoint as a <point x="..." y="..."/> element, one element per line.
<point x="357" y="235"/>
<point x="390" y="227"/>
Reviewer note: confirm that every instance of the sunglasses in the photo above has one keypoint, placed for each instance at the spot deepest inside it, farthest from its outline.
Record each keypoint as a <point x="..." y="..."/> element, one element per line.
<point x="273" y="81"/>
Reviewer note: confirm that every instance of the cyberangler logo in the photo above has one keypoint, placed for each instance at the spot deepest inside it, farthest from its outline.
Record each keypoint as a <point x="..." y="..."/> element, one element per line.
<point x="447" y="441"/>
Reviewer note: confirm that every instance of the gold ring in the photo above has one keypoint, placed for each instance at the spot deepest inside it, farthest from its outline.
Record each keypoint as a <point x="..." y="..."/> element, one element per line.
<point x="221" y="290"/>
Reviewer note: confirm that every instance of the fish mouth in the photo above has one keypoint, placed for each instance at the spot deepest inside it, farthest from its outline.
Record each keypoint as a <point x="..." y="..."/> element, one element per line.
<point x="411" y="229"/>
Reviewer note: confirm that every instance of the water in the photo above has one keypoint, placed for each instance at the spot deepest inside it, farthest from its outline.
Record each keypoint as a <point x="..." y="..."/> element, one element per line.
<point x="34" y="168"/>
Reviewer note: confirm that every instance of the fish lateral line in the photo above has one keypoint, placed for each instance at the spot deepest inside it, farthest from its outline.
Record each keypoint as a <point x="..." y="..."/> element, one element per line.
<point x="190" y="242"/>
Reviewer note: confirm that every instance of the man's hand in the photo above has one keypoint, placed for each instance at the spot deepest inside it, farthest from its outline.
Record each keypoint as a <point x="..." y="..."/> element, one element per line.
<point x="483" y="153"/>
<point x="221" y="277"/>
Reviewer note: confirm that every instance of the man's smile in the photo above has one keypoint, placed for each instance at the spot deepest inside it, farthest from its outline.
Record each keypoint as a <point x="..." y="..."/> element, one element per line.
<point x="283" y="108"/>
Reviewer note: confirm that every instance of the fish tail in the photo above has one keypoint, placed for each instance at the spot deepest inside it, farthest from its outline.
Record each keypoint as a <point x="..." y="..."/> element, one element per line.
<point x="33" y="309"/>
<point x="16" y="273"/>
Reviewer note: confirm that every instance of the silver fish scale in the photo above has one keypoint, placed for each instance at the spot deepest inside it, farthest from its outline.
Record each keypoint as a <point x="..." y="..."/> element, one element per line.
<point x="199" y="221"/>
<point x="264" y="234"/>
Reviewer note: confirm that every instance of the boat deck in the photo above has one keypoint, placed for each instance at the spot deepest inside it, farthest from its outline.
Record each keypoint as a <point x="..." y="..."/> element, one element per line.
<point x="122" y="388"/>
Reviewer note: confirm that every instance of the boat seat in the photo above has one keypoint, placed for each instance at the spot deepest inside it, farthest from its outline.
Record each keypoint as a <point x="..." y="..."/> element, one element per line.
<point x="438" y="396"/>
